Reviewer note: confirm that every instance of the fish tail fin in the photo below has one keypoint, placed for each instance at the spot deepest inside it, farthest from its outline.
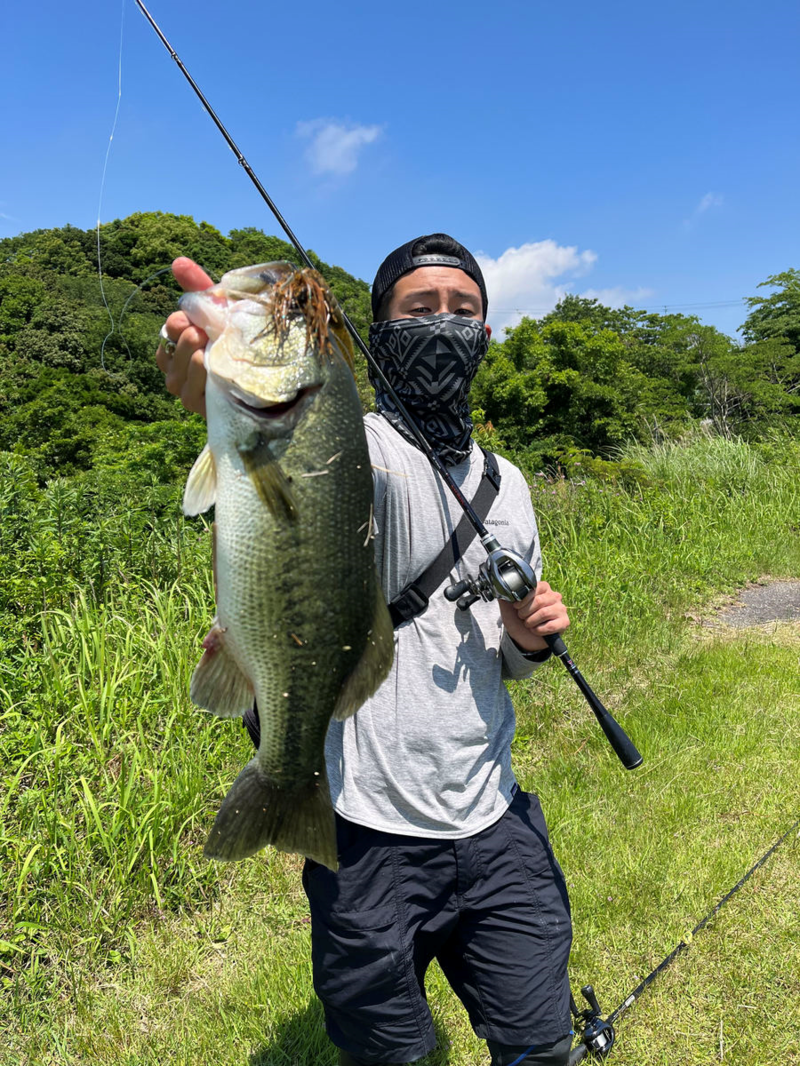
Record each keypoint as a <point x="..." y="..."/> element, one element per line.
<point x="257" y="812"/>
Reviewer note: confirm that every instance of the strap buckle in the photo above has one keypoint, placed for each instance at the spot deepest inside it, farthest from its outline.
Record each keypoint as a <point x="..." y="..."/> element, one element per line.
<point x="411" y="602"/>
<point x="491" y="470"/>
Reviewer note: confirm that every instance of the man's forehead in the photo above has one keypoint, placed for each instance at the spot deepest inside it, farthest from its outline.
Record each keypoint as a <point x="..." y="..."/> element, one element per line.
<point x="427" y="280"/>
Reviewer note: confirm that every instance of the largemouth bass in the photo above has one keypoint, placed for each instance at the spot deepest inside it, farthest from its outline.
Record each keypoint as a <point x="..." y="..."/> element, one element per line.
<point x="302" y="625"/>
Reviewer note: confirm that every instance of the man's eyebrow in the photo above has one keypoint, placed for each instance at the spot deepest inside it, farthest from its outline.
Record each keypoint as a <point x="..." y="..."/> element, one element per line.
<point x="416" y="293"/>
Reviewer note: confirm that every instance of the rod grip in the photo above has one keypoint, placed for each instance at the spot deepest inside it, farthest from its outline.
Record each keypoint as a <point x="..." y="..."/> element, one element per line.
<point x="617" y="737"/>
<point x="619" y="740"/>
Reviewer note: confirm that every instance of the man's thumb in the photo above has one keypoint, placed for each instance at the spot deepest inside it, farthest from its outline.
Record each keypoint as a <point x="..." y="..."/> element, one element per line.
<point x="190" y="276"/>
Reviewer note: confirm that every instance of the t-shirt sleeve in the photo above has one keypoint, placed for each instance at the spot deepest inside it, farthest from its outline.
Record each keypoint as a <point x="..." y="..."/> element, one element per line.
<point x="516" y="663"/>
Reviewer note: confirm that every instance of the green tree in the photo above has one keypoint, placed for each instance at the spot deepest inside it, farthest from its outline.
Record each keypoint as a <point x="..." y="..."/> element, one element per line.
<point x="745" y="388"/>
<point x="658" y="346"/>
<point x="550" y="386"/>
<point x="55" y="335"/>
<point x="19" y="298"/>
<point x="777" y="316"/>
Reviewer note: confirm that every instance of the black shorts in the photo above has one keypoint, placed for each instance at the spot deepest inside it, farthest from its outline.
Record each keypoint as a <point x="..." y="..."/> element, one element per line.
<point x="491" y="908"/>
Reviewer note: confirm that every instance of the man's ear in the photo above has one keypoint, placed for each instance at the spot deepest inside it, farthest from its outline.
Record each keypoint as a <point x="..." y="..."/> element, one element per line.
<point x="488" y="331"/>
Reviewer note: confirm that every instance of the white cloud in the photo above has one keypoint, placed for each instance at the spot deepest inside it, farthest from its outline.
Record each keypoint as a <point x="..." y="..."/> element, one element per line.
<point x="710" y="200"/>
<point x="617" y="296"/>
<point x="334" y="146"/>
<point x="523" y="281"/>
<point x="530" y="280"/>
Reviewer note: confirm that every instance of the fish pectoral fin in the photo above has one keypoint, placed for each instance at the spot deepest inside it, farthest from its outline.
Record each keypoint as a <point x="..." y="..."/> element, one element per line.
<point x="201" y="485"/>
<point x="257" y="812"/>
<point x="272" y="485"/>
<point x="374" y="664"/>
<point x="218" y="684"/>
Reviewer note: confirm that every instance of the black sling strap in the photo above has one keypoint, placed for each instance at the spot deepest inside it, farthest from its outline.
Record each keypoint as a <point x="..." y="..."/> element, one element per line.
<point x="414" y="598"/>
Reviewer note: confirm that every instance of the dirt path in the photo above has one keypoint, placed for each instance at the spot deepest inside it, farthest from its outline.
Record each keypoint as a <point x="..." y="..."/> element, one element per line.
<point x="774" y="601"/>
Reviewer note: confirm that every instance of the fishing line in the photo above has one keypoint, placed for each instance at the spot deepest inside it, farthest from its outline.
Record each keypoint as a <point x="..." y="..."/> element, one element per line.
<point x="141" y="285"/>
<point x="138" y="289"/>
<point x="102" y="190"/>
<point x="117" y="327"/>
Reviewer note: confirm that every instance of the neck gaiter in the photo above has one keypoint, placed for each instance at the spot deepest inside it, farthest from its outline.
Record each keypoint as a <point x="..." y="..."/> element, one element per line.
<point x="430" y="363"/>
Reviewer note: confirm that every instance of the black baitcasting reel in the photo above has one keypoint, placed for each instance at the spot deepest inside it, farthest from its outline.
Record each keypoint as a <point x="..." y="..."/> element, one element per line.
<point x="598" y="1035"/>
<point x="504" y="575"/>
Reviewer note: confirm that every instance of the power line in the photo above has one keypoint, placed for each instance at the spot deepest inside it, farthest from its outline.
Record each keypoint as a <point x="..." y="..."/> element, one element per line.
<point x="646" y="307"/>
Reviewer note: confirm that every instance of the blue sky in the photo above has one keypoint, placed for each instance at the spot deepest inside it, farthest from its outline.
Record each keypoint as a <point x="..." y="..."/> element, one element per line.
<point x="643" y="153"/>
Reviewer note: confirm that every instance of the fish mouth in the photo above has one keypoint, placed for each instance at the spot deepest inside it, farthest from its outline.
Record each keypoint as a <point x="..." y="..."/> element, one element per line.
<point x="284" y="412"/>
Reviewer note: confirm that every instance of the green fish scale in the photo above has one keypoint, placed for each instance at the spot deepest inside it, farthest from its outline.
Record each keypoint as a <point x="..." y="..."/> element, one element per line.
<point x="312" y="578"/>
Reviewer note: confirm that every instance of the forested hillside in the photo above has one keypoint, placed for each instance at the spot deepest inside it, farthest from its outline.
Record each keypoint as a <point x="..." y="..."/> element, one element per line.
<point x="75" y="394"/>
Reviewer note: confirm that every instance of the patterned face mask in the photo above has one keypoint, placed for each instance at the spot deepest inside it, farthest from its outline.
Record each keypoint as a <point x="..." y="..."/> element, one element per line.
<point x="430" y="362"/>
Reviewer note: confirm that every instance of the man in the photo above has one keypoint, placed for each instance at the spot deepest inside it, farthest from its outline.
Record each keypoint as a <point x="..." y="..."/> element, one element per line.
<point x="441" y="855"/>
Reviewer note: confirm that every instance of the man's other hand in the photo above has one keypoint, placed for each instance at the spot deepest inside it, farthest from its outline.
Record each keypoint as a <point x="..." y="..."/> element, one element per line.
<point x="540" y="614"/>
<point x="184" y="370"/>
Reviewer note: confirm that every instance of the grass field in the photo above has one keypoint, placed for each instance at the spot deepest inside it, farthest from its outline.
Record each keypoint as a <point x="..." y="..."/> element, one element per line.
<point x="119" y="944"/>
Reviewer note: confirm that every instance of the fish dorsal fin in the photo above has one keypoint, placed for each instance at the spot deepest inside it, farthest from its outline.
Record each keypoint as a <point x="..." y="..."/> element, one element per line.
<point x="201" y="486"/>
<point x="374" y="664"/>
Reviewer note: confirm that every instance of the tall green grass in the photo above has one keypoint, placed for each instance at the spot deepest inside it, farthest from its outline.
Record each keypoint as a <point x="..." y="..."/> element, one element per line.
<point x="119" y="943"/>
<point x="681" y="522"/>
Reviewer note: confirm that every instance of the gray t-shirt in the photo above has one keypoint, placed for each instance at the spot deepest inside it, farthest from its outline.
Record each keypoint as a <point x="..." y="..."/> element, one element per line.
<point x="429" y="755"/>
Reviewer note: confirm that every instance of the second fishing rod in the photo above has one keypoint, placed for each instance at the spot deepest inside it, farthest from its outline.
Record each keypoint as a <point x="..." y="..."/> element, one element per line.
<point x="504" y="574"/>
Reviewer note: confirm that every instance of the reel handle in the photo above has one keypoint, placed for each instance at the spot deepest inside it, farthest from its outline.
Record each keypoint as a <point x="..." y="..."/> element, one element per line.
<point x="452" y="592"/>
<point x="598" y="1034"/>
<point x="588" y="994"/>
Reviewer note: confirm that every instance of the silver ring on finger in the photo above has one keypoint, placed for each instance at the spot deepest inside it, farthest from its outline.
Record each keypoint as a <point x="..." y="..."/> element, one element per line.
<point x="167" y="343"/>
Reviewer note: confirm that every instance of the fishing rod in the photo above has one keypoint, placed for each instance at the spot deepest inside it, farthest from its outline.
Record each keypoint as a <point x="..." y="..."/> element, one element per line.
<point x="504" y="574"/>
<point x="598" y="1035"/>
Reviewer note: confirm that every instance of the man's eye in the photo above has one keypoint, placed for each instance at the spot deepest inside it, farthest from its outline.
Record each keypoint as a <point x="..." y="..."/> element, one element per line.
<point x="420" y="310"/>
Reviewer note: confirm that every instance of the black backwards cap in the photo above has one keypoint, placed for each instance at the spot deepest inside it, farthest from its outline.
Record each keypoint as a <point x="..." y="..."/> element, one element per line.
<point x="437" y="249"/>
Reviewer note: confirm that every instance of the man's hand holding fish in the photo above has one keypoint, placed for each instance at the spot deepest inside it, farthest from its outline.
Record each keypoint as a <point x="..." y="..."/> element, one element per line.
<point x="184" y="368"/>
